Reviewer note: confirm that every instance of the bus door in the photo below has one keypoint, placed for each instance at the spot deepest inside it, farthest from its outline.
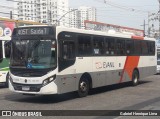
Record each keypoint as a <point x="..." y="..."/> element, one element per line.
<point x="66" y="62"/>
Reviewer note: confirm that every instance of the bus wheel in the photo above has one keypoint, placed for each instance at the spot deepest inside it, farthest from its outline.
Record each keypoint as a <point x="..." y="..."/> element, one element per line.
<point x="7" y="80"/>
<point x="83" y="87"/>
<point x="135" y="78"/>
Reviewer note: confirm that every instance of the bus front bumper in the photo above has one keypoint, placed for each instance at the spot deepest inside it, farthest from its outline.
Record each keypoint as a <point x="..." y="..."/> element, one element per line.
<point x="48" y="89"/>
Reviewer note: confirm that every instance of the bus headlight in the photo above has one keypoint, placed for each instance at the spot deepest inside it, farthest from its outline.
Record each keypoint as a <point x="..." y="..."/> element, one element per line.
<point x="48" y="80"/>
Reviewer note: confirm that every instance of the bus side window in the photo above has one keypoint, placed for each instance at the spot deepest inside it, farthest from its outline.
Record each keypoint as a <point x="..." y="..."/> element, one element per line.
<point x="152" y="48"/>
<point x="84" y="45"/>
<point x="144" y="48"/>
<point x="1" y="52"/>
<point x="111" y="46"/>
<point x="98" y="45"/>
<point x="137" y="47"/>
<point x="129" y="47"/>
<point x="68" y="50"/>
<point x="120" y="46"/>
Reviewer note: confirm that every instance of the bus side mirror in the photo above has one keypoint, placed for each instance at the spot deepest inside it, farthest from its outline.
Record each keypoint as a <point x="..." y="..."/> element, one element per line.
<point x="7" y="47"/>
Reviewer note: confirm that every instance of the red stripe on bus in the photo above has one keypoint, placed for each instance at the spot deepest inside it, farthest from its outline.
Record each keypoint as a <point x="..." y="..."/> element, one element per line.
<point x="137" y="37"/>
<point x="130" y="64"/>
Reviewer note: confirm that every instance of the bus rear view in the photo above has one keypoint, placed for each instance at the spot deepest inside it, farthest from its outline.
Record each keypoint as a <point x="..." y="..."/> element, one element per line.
<point x="33" y="57"/>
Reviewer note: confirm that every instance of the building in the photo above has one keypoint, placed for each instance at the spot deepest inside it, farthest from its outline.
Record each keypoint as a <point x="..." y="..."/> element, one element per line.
<point x="44" y="11"/>
<point x="74" y="18"/>
<point x="86" y="13"/>
<point x="78" y="17"/>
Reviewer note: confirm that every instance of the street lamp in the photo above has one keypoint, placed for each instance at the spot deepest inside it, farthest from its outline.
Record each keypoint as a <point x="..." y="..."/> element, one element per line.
<point x="64" y="16"/>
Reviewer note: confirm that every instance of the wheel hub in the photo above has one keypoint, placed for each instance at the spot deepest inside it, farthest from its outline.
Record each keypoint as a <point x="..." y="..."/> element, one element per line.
<point x="83" y="86"/>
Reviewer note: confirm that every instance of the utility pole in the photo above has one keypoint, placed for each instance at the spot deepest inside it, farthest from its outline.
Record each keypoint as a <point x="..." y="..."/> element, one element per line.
<point x="11" y="15"/>
<point x="144" y="27"/>
<point x="149" y="29"/>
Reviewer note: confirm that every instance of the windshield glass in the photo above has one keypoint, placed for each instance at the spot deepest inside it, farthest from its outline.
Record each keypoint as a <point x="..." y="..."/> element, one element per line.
<point x="33" y="54"/>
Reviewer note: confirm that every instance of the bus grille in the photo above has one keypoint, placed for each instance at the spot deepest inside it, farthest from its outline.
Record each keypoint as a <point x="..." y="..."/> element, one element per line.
<point x="32" y="88"/>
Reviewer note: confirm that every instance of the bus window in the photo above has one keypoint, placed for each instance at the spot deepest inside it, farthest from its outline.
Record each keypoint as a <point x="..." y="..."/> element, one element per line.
<point x="110" y="46"/>
<point x="68" y="50"/>
<point x="137" y="47"/>
<point x="144" y="48"/>
<point x="151" y="48"/>
<point x="67" y="54"/>
<point x="1" y="52"/>
<point x="120" y="45"/>
<point x="129" y="47"/>
<point x="84" y="46"/>
<point x="98" y="45"/>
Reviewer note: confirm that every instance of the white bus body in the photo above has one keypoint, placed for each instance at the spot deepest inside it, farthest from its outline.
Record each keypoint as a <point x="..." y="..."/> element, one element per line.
<point x="84" y="59"/>
<point x="158" y="55"/>
<point x="4" y="62"/>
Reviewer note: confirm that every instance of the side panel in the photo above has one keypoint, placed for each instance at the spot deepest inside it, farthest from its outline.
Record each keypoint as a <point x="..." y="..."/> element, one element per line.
<point x="104" y="71"/>
<point x="147" y="66"/>
<point x="107" y="70"/>
<point x="4" y="66"/>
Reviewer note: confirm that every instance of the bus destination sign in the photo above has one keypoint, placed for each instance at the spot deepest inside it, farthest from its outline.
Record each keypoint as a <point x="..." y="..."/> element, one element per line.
<point x="33" y="31"/>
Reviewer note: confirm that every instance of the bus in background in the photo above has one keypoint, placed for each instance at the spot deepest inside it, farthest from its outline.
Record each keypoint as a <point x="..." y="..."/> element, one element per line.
<point x="56" y="60"/>
<point x="158" y="55"/>
<point x="6" y="28"/>
<point x="4" y="61"/>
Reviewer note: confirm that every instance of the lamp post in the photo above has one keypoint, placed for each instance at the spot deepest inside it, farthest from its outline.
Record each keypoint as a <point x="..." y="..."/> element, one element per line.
<point x="64" y="16"/>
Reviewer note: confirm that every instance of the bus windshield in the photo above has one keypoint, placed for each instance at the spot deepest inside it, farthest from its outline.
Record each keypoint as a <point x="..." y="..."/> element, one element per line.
<point x="33" y="54"/>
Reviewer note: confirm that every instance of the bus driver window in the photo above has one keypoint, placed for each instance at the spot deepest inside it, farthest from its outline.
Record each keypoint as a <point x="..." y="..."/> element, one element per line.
<point x="68" y="50"/>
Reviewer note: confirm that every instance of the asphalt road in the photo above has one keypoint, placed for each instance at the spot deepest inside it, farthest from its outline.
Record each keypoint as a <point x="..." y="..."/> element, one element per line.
<point x="117" y="97"/>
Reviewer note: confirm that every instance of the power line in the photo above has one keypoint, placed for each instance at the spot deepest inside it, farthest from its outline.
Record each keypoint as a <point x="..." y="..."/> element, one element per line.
<point x="120" y="6"/>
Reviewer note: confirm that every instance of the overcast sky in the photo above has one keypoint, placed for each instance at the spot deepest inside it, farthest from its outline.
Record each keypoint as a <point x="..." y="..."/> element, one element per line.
<point x="129" y="13"/>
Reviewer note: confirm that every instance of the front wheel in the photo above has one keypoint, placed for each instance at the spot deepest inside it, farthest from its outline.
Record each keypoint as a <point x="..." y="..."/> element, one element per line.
<point x="135" y="78"/>
<point x="83" y="87"/>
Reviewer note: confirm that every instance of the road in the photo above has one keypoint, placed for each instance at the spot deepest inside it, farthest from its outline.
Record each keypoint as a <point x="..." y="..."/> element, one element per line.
<point x="117" y="97"/>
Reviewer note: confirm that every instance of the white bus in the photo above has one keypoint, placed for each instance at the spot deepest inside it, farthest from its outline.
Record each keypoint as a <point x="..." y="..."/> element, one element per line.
<point x="4" y="61"/>
<point x="158" y="55"/>
<point x="56" y="60"/>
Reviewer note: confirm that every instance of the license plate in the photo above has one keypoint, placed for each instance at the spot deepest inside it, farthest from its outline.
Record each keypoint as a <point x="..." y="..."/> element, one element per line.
<point x="26" y="88"/>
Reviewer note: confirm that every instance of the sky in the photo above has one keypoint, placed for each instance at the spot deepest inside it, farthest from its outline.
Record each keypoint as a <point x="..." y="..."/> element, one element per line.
<point x="129" y="13"/>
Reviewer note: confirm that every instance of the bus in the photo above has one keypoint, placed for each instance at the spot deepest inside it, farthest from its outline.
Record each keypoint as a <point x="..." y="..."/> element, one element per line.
<point x="158" y="55"/>
<point x="54" y="60"/>
<point x="4" y="62"/>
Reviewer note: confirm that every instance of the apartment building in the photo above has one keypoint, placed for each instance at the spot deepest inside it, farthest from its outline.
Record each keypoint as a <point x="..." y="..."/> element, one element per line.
<point x="77" y="17"/>
<point x="44" y="11"/>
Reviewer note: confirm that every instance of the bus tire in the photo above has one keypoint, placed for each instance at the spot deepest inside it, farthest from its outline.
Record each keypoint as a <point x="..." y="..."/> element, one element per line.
<point x="83" y="87"/>
<point x="7" y="80"/>
<point x="135" y="78"/>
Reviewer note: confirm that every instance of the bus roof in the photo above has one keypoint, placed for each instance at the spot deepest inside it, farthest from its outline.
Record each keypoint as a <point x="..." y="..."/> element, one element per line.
<point x="76" y="30"/>
<point x="112" y="34"/>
